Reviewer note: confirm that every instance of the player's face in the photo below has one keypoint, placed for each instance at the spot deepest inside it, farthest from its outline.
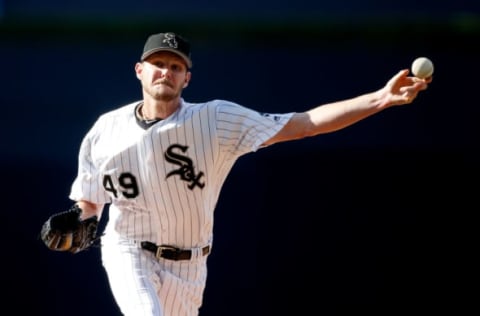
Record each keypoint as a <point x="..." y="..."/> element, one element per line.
<point x="163" y="75"/>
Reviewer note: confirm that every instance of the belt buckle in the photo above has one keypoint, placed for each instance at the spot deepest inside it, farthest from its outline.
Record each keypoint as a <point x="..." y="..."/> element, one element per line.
<point x="159" y="252"/>
<point x="161" y="248"/>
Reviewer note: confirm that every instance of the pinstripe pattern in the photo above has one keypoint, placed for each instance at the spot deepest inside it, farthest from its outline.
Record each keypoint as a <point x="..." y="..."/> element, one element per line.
<point x="162" y="184"/>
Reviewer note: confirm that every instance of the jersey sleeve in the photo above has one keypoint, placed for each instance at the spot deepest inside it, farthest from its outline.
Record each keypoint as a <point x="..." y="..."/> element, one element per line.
<point x="88" y="183"/>
<point x="242" y="130"/>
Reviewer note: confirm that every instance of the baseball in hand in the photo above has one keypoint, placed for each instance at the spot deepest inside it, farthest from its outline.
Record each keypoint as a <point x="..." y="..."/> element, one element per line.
<point x="422" y="67"/>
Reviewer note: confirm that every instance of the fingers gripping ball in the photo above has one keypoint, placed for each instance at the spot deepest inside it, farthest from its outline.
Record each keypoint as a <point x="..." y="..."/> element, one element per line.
<point x="66" y="232"/>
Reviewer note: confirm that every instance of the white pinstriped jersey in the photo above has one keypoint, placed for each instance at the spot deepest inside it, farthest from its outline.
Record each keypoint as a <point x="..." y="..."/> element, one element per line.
<point x="163" y="182"/>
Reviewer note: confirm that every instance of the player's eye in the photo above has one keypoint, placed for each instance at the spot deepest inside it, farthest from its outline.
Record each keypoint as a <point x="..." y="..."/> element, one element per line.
<point x="176" y="67"/>
<point x="159" y="64"/>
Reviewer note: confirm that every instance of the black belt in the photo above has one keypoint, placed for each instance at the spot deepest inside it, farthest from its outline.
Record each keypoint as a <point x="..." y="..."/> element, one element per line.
<point x="171" y="253"/>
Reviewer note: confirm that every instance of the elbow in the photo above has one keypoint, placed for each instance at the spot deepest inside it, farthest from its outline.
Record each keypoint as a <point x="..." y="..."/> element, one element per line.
<point x="307" y="128"/>
<point x="301" y="126"/>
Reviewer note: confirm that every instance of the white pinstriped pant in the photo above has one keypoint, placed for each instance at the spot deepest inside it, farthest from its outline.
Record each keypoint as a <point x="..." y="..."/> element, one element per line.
<point x="142" y="285"/>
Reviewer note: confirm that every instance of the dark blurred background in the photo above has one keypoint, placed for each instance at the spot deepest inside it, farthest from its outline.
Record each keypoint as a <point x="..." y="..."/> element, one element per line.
<point x="376" y="218"/>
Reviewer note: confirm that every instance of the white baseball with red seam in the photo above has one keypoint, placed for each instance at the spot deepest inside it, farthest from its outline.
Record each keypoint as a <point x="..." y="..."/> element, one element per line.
<point x="422" y="67"/>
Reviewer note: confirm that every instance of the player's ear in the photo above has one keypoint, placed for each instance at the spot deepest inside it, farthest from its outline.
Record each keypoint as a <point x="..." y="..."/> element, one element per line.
<point x="188" y="76"/>
<point x="138" y="69"/>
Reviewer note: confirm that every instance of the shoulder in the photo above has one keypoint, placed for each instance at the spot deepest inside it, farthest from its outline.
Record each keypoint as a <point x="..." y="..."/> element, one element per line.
<point x="125" y="110"/>
<point x="112" y="117"/>
<point x="210" y="103"/>
<point x="212" y="106"/>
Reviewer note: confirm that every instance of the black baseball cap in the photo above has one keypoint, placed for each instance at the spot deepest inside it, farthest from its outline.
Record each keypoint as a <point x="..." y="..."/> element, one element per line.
<point x="170" y="42"/>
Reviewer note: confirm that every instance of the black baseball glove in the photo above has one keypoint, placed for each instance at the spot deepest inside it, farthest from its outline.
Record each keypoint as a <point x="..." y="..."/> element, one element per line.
<point x="66" y="232"/>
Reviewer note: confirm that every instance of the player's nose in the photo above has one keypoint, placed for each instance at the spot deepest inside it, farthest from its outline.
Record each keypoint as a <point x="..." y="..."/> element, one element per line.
<point x="166" y="72"/>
